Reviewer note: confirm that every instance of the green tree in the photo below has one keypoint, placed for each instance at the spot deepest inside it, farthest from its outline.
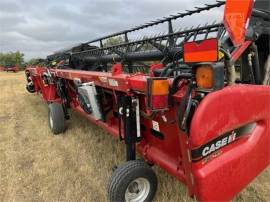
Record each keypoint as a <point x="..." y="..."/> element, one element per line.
<point x="33" y="61"/>
<point x="113" y="41"/>
<point x="12" y="59"/>
<point x="37" y="61"/>
<point x="118" y="40"/>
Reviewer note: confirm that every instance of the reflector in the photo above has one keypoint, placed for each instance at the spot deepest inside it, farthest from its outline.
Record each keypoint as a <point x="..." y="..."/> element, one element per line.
<point x="201" y="51"/>
<point x="236" y="16"/>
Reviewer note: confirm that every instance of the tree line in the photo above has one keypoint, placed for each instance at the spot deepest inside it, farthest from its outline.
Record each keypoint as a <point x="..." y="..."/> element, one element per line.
<point x="12" y="59"/>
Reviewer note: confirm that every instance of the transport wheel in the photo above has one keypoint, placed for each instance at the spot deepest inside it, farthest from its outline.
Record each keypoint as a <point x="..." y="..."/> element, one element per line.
<point x="30" y="88"/>
<point x="56" y="118"/>
<point x="133" y="181"/>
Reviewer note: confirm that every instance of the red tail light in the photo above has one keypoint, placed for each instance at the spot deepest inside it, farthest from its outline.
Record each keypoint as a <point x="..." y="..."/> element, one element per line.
<point x="158" y="90"/>
<point x="159" y="101"/>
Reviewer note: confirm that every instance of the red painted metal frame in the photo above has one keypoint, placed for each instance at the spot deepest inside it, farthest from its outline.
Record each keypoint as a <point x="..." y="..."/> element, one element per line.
<point x="125" y="82"/>
<point x="240" y="50"/>
<point x="154" y="150"/>
<point x="219" y="109"/>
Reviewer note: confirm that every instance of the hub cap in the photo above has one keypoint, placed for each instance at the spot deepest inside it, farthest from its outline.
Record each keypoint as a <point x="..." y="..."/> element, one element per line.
<point x="51" y="121"/>
<point x="137" y="190"/>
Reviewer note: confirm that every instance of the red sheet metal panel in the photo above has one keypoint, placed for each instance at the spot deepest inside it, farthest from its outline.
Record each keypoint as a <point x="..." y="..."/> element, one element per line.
<point x="229" y="169"/>
<point x="120" y="82"/>
<point x="236" y="16"/>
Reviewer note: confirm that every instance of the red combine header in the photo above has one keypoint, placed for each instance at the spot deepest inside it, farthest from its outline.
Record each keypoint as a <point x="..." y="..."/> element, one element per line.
<point x="195" y="102"/>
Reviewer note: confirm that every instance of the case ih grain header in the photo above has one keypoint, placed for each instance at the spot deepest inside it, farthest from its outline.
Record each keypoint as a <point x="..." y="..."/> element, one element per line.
<point x="175" y="98"/>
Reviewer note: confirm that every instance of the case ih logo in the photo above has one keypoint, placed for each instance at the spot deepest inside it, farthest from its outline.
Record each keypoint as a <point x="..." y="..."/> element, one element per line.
<point x="218" y="144"/>
<point x="214" y="145"/>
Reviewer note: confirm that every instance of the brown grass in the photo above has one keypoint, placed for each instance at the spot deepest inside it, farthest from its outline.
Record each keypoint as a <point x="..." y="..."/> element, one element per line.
<point x="35" y="165"/>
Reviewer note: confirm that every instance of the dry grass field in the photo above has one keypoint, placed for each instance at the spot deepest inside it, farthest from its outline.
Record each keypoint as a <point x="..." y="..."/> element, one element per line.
<point x="35" y="165"/>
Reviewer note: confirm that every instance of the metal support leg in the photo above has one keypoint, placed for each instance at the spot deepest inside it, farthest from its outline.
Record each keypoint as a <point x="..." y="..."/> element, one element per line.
<point x="129" y="117"/>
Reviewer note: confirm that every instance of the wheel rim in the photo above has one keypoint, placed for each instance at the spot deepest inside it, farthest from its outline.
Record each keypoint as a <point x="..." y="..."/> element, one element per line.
<point x="137" y="190"/>
<point x="51" y="121"/>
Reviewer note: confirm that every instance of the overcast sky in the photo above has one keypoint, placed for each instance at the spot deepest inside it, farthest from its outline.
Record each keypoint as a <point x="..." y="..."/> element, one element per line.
<point x="39" y="27"/>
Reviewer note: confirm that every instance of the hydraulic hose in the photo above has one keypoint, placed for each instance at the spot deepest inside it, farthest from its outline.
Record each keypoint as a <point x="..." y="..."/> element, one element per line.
<point x="176" y="82"/>
<point x="168" y="66"/>
<point x="184" y="109"/>
<point x="256" y="63"/>
<point x="229" y="64"/>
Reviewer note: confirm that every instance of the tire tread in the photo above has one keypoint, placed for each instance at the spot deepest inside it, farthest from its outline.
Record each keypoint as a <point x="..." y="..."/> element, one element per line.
<point x="122" y="173"/>
<point x="58" y="117"/>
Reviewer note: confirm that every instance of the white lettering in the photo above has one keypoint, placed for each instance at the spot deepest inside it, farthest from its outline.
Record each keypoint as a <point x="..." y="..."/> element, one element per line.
<point x="212" y="148"/>
<point x="205" y="151"/>
<point x="219" y="144"/>
<point x="224" y="141"/>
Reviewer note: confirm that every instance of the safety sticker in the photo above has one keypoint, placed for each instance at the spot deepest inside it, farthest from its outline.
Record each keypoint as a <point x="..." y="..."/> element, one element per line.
<point x="155" y="125"/>
<point x="113" y="82"/>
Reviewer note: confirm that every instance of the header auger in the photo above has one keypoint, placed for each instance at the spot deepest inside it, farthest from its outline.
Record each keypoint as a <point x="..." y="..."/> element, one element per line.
<point x="194" y="101"/>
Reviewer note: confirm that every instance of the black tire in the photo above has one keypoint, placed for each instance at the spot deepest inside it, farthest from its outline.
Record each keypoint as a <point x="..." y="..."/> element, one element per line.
<point x="30" y="88"/>
<point x="132" y="177"/>
<point x="56" y="118"/>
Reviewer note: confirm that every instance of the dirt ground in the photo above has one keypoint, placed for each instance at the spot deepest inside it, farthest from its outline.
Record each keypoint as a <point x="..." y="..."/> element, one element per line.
<point x="35" y="165"/>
